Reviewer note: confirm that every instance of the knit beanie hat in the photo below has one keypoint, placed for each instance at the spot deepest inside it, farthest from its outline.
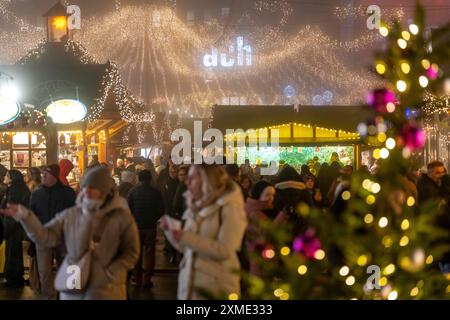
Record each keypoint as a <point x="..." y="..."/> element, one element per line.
<point x="98" y="178"/>
<point x="53" y="169"/>
<point x="258" y="189"/>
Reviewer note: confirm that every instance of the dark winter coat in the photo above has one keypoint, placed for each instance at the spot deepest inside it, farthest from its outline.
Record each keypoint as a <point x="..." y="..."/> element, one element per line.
<point x="146" y="204"/>
<point x="179" y="202"/>
<point x="125" y="188"/>
<point x="46" y="202"/>
<point x="427" y="189"/>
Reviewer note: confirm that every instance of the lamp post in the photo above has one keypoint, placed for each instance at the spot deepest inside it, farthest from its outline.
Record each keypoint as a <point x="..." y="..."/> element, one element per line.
<point x="9" y="94"/>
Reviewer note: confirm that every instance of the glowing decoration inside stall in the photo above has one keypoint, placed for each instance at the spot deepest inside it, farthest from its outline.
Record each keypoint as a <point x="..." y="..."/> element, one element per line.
<point x="66" y="111"/>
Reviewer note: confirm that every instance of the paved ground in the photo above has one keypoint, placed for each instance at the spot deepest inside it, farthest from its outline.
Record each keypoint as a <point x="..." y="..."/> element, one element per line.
<point x="165" y="281"/>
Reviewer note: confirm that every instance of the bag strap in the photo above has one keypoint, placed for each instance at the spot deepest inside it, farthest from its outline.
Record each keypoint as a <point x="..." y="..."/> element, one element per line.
<point x="97" y="234"/>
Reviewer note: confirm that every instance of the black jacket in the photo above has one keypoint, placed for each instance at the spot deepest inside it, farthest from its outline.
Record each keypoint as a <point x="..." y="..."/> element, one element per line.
<point x="427" y="189"/>
<point x="179" y="202"/>
<point x="17" y="193"/>
<point x="124" y="189"/>
<point x="146" y="204"/>
<point x="46" y="202"/>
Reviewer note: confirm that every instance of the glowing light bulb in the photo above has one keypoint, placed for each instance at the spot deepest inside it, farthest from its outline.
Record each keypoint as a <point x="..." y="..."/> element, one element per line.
<point x="401" y="85"/>
<point x="423" y="81"/>
<point x="390" y="143"/>
<point x="384" y="31"/>
<point x="383" y="222"/>
<point x="402" y="43"/>
<point x="414" y="29"/>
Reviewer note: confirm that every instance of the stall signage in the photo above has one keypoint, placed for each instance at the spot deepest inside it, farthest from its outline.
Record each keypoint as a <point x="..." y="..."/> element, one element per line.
<point x="9" y="110"/>
<point x="66" y="111"/>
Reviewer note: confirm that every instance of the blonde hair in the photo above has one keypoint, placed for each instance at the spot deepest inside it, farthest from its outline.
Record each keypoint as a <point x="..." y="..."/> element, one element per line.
<point x="215" y="182"/>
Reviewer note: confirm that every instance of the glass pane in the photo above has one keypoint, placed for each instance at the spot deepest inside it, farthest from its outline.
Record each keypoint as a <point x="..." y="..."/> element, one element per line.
<point x="20" y="140"/>
<point x="38" y="158"/>
<point x="21" y="159"/>
<point x="38" y="141"/>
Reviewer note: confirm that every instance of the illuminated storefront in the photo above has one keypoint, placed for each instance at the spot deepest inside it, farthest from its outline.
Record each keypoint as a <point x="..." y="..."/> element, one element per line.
<point x="302" y="134"/>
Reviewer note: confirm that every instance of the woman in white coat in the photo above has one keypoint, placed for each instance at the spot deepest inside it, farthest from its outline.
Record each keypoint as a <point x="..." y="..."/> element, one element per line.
<point x="215" y="223"/>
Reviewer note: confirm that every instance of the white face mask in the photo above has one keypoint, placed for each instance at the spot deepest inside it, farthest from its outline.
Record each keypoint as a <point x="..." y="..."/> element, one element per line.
<point x="91" y="204"/>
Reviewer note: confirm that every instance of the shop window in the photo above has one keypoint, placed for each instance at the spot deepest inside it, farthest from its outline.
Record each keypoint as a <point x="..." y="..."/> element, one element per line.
<point x="20" y="140"/>
<point x="21" y="159"/>
<point x="38" y="158"/>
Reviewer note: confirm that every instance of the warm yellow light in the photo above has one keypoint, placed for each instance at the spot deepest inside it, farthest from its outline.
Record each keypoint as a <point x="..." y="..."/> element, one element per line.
<point x="370" y="199"/>
<point x="387" y="241"/>
<point x="285" y="251"/>
<point x="60" y="23"/>
<point x="414" y="292"/>
<point x="383" y="281"/>
<point x="401" y="85"/>
<point x="390" y="143"/>
<point x="389" y="269"/>
<point x="368" y="218"/>
<point x="423" y="81"/>
<point x="382" y="136"/>
<point x="376" y="153"/>
<point x="367" y="184"/>
<point x="381" y="69"/>
<point x="350" y="281"/>
<point x="426" y="64"/>
<point x="362" y="260"/>
<point x="233" y="296"/>
<point x="390" y="107"/>
<point x="278" y="292"/>
<point x="404" y="241"/>
<point x="405" y="67"/>
<point x="319" y="254"/>
<point x="344" y="271"/>
<point x="414" y="29"/>
<point x="410" y="201"/>
<point x="429" y="259"/>
<point x="402" y="43"/>
<point x="405" y="224"/>
<point x="376" y="188"/>
<point x="284" y="296"/>
<point x="384" y="31"/>
<point x="406" y="35"/>
<point x="393" y="295"/>
<point x="383" y="222"/>
<point x="346" y="195"/>
<point x="302" y="269"/>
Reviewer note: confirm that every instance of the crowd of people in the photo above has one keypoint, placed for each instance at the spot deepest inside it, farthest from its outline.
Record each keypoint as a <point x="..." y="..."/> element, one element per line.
<point x="210" y="215"/>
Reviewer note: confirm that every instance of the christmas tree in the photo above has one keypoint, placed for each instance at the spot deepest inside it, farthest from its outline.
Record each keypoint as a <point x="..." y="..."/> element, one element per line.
<point x="377" y="242"/>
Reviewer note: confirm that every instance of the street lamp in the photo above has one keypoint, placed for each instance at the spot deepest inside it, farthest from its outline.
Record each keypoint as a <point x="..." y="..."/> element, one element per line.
<point x="9" y="94"/>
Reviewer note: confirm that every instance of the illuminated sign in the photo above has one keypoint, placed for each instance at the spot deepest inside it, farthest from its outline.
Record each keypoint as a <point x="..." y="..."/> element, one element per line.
<point x="9" y="110"/>
<point x="240" y="55"/>
<point x="66" y="111"/>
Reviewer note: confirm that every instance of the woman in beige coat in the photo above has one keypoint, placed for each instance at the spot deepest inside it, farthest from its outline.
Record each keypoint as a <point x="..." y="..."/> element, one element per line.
<point x="118" y="249"/>
<point x="215" y="222"/>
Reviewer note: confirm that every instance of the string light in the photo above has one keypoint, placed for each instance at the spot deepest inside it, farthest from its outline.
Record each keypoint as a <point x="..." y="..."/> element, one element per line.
<point x="302" y="270"/>
<point x="383" y="222"/>
<point x="414" y="29"/>
<point x="344" y="271"/>
<point x="172" y="52"/>
<point x="390" y="143"/>
<point x="402" y="43"/>
<point x="368" y="218"/>
<point x="401" y="85"/>
<point x="423" y="81"/>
